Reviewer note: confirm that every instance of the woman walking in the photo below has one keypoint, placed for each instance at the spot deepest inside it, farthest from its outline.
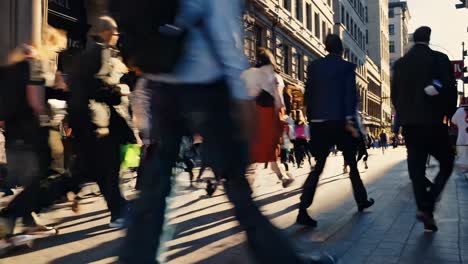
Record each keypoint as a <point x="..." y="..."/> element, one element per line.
<point x="266" y="86"/>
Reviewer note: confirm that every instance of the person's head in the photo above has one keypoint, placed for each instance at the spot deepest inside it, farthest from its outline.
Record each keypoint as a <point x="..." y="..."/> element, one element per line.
<point x="106" y="29"/>
<point x="265" y="57"/>
<point x="333" y="44"/>
<point x="422" y="35"/>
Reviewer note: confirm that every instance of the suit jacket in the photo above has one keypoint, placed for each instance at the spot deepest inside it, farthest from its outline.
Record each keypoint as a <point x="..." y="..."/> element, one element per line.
<point x="331" y="89"/>
<point x="411" y="74"/>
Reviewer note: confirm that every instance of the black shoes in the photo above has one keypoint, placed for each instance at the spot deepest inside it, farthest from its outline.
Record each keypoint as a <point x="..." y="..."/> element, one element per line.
<point x="367" y="204"/>
<point x="428" y="221"/>
<point x="304" y="219"/>
<point x="322" y="258"/>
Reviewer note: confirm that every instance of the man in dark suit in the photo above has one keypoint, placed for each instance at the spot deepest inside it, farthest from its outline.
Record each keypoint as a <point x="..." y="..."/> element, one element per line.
<point x="424" y="93"/>
<point x="331" y="101"/>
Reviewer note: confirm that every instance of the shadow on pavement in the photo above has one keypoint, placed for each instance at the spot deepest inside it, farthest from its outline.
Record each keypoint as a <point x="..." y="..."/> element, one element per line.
<point x="102" y="251"/>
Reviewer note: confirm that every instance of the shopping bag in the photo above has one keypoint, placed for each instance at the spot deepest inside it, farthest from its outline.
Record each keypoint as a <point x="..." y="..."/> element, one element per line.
<point x="130" y="156"/>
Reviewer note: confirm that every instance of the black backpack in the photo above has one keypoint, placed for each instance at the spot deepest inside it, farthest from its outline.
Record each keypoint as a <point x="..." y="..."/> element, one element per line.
<point x="148" y="37"/>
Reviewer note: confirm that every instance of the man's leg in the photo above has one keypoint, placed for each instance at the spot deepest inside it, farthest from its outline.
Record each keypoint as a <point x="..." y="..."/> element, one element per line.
<point x="108" y="176"/>
<point x="359" y="191"/>
<point x="417" y="157"/>
<point x="146" y="224"/>
<point x="442" y="150"/>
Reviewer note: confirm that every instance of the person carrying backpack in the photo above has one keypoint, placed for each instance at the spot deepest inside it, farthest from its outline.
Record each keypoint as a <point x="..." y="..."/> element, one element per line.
<point x="196" y="89"/>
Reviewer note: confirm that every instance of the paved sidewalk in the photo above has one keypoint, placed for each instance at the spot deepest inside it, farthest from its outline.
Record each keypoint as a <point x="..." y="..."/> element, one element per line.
<point x="205" y="230"/>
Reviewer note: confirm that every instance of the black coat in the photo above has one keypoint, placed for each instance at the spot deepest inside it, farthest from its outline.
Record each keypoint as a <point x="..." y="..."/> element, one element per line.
<point x="331" y="89"/>
<point x="86" y="86"/>
<point x="411" y="74"/>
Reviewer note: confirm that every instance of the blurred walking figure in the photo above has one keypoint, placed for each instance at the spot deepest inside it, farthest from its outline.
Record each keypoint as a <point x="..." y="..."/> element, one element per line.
<point x="332" y="122"/>
<point x="460" y="119"/>
<point x="383" y="141"/>
<point x="424" y="94"/>
<point x="266" y="86"/>
<point x="193" y="62"/>
<point x="23" y="111"/>
<point x="98" y="128"/>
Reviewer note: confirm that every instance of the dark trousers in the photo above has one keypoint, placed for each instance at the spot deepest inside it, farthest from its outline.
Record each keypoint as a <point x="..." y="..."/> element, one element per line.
<point x="422" y="141"/>
<point x="206" y="110"/>
<point x="27" y="201"/>
<point x="98" y="159"/>
<point x="326" y="135"/>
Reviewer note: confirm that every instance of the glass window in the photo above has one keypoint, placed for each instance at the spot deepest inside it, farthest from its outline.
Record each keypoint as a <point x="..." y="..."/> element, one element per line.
<point x="286" y="59"/>
<point x="299" y="10"/>
<point x="392" y="46"/>
<point x="287" y="5"/>
<point x="391" y="13"/>
<point x="309" y="16"/>
<point x="343" y="15"/>
<point x="317" y="25"/>
<point x="391" y="29"/>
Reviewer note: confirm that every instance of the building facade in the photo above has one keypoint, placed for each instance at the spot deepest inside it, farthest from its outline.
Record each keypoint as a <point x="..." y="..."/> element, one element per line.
<point x="378" y="49"/>
<point x="399" y="17"/>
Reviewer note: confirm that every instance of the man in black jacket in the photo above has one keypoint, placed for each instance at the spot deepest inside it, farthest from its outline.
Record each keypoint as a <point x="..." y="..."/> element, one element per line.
<point x="424" y="93"/>
<point x="331" y="101"/>
<point x="98" y="131"/>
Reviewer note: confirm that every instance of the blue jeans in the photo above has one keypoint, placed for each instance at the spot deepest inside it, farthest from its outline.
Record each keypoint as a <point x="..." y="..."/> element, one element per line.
<point x="187" y="110"/>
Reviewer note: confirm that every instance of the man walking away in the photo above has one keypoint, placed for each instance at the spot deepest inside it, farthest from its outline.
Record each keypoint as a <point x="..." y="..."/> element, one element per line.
<point x="201" y="93"/>
<point x="383" y="141"/>
<point x="332" y="122"/>
<point x="424" y="93"/>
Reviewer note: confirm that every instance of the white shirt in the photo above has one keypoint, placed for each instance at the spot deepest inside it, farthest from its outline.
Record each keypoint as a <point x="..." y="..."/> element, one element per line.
<point x="264" y="78"/>
<point x="459" y="119"/>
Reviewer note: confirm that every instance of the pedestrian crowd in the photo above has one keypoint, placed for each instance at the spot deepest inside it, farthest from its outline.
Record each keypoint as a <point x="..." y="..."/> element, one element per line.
<point x="174" y="88"/>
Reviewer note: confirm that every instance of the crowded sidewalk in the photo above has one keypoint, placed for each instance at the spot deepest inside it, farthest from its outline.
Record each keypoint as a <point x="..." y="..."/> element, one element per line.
<point x="204" y="230"/>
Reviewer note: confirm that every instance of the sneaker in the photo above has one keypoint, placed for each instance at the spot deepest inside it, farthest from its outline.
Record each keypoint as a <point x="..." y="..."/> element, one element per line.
<point x="428" y="221"/>
<point x="367" y="204"/>
<point x="304" y="219"/>
<point x="42" y="231"/>
<point x="117" y="223"/>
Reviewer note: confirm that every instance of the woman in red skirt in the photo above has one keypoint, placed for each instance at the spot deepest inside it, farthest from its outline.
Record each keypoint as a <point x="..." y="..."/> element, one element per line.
<point x="266" y="85"/>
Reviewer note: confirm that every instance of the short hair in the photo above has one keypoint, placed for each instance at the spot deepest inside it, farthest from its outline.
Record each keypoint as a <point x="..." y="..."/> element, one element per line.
<point x="333" y="44"/>
<point x="422" y="34"/>
<point x="103" y="23"/>
<point x="265" y="57"/>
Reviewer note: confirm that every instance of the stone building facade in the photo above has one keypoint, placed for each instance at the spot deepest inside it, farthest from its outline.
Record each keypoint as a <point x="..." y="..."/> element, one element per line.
<point x="399" y="16"/>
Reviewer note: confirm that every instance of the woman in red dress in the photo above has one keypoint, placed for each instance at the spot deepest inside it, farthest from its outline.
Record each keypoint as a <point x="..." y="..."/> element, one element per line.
<point x="266" y="85"/>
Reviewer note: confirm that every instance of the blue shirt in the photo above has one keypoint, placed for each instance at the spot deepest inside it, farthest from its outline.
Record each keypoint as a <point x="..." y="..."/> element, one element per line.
<point x="215" y="48"/>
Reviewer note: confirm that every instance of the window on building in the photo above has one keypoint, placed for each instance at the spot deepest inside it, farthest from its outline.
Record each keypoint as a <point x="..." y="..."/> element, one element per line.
<point x="300" y="66"/>
<point x="260" y="38"/>
<point x="329" y="3"/>
<point x="366" y="14"/>
<point x="391" y="29"/>
<point x="309" y="16"/>
<point x="324" y="31"/>
<point x="391" y="13"/>
<point x="317" y="25"/>
<point x="347" y="20"/>
<point x="343" y="15"/>
<point x="287" y="5"/>
<point x="367" y="36"/>
<point x="392" y="46"/>
<point x="286" y="59"/>
<point x="299" y="14"/>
